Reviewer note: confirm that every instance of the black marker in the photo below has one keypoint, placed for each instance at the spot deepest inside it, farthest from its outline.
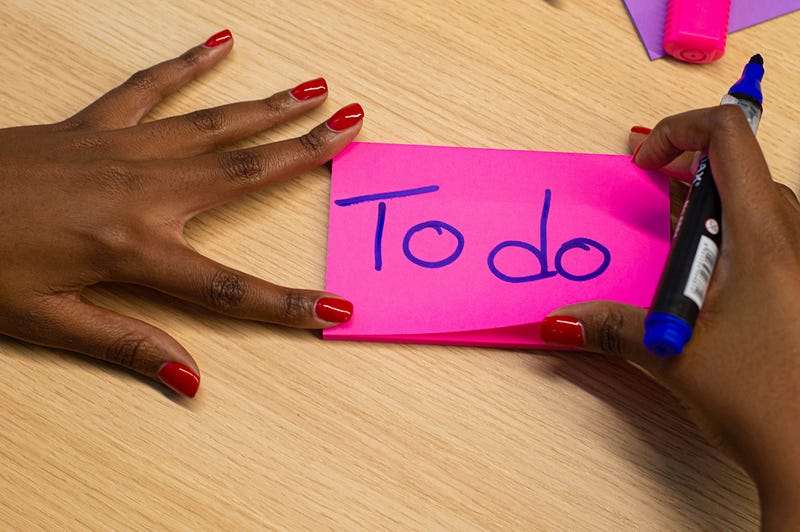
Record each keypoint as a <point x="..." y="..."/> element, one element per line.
<point x="695" y="245"/>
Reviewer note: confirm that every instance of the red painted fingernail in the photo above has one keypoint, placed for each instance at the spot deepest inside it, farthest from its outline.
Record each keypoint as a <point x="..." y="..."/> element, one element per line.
<point x="179" y="378"/>
<point x="346" y="117"/>
<point x="641" y="129"/>
<point x="562" y="330"/>
<point x="334" y="309"/>
<point x="636" y="151"/>
<point x="218" y="38"/>
<point x="309" y="89"/>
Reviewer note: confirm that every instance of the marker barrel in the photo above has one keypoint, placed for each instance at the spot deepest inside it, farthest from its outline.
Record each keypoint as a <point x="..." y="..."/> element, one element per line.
<point x="690" y="264"/>
<point x="695" y="245"/>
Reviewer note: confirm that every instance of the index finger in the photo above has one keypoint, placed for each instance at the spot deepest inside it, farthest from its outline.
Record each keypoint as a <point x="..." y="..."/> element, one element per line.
<point x="738" y="165"/>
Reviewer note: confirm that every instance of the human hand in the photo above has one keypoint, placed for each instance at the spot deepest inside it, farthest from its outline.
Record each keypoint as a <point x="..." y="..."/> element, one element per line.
<point x="739" y="375"/>
<point x="102" y="197"/>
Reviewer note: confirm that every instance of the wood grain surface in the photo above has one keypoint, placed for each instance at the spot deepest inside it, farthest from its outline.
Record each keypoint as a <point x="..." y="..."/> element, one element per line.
<point x="290" y="432"/>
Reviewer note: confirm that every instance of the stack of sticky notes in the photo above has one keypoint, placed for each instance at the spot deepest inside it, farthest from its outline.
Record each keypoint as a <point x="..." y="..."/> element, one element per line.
<point x="469" y="246"/>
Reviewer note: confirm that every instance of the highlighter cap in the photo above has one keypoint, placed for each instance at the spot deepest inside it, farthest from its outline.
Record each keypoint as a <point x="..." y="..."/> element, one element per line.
<point x="665" y="334"/>
<point x="696" y="30"/>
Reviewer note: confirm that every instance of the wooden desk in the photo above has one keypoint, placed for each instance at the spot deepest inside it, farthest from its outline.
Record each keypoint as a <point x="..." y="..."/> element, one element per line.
<point x="291" y="432"/>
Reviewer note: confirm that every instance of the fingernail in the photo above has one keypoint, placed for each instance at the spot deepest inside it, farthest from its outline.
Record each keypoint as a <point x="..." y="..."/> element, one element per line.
<point x="346" y="117"/>
<point x="179" y="378"/>
<point x="218" y="38"/>
<point x="334" y="309"/>
<point x="309" y="89"/>
<point x="641" y="129"/>
<point x="562" y="330"/>
<point x="636" y="152"/>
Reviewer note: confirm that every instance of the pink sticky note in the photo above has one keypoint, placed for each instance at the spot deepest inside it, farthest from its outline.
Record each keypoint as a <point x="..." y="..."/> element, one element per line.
<point x="468" y="246"/>
<point x="649" y="17"/>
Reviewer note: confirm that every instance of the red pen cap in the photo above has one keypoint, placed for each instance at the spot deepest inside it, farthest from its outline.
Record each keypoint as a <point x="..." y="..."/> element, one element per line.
<point x="696" y="30"/>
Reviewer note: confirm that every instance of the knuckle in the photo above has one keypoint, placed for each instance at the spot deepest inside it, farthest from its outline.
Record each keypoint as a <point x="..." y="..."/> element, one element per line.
<point x="275" y="105"/>
<point x="128" y="350"/>
<point x="115" y="251"/>
<point x="141" y="81"/>
<point x="207" y="120"/>
<point x="241" y="165"/>
<point x="32" y="324"/>
<point x="190" y="58"/>
<point x="727" y="117"/>
<point x="609" y="331"/>
<point x="313" y="143"/>
<point x="112" y="241"/>
<point x="73" y="123"/>
<point x="117" y="247"/>
<point x="88" y="142"/>
<point x="226" y="290"/>
<point x="293" y="307"/>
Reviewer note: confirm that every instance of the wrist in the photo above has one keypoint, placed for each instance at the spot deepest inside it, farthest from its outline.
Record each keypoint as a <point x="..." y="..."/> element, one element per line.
<point x="779" y="509"/>
<point x="778" y="483"/>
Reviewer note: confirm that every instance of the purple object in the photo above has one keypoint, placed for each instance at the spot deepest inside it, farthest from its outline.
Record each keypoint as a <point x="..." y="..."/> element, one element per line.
<point x="649" y="17"/>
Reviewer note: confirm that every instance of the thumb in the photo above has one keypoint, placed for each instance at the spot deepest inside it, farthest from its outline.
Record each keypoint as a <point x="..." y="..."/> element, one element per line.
<point x="67" y="322"/>
<point x="603" y="327"/>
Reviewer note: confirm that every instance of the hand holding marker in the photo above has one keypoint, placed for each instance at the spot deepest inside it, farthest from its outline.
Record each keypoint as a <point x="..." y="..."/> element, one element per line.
<point x="695" y="246"/>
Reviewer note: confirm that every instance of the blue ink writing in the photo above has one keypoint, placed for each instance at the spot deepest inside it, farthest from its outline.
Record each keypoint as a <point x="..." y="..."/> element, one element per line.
<point x="379" y="235"/>
<point x="585" y="244"/>
<point x="540" y="253"/>
<point x="437" y="226"/>
<point x="378" y="253"/>
<point x="386" y="195"/>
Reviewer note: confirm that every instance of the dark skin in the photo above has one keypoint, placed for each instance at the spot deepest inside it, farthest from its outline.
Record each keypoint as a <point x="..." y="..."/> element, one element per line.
<point x="739" y="376"/>
<point x="102" y="197"/>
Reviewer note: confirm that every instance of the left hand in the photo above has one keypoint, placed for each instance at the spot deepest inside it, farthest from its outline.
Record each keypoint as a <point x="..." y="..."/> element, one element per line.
<point x="102" y="197"/>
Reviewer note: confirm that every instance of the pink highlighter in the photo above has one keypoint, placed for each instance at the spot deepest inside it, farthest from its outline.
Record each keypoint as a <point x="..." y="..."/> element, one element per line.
<point x="695" y="30"/>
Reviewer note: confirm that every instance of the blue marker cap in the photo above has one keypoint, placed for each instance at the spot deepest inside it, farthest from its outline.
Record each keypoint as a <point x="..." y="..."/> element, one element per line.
<point x="665" y="334"/>
<point x="750" y="82"/>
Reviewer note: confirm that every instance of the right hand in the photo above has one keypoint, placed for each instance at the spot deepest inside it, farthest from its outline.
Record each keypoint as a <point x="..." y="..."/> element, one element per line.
<point x="739" y="375"/>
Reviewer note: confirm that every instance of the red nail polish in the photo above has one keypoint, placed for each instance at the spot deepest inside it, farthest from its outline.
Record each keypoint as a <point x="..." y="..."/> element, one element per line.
<point x="309" y="89"/>
<point x="346" y="117"/>
<point x="334" y="309"/>
<point x="218" y="38"/>
<point x="562" y="330"/>
<point x="636" y="152"/>
<point x="641" y="129"/>
<point x="179" y="378"/>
